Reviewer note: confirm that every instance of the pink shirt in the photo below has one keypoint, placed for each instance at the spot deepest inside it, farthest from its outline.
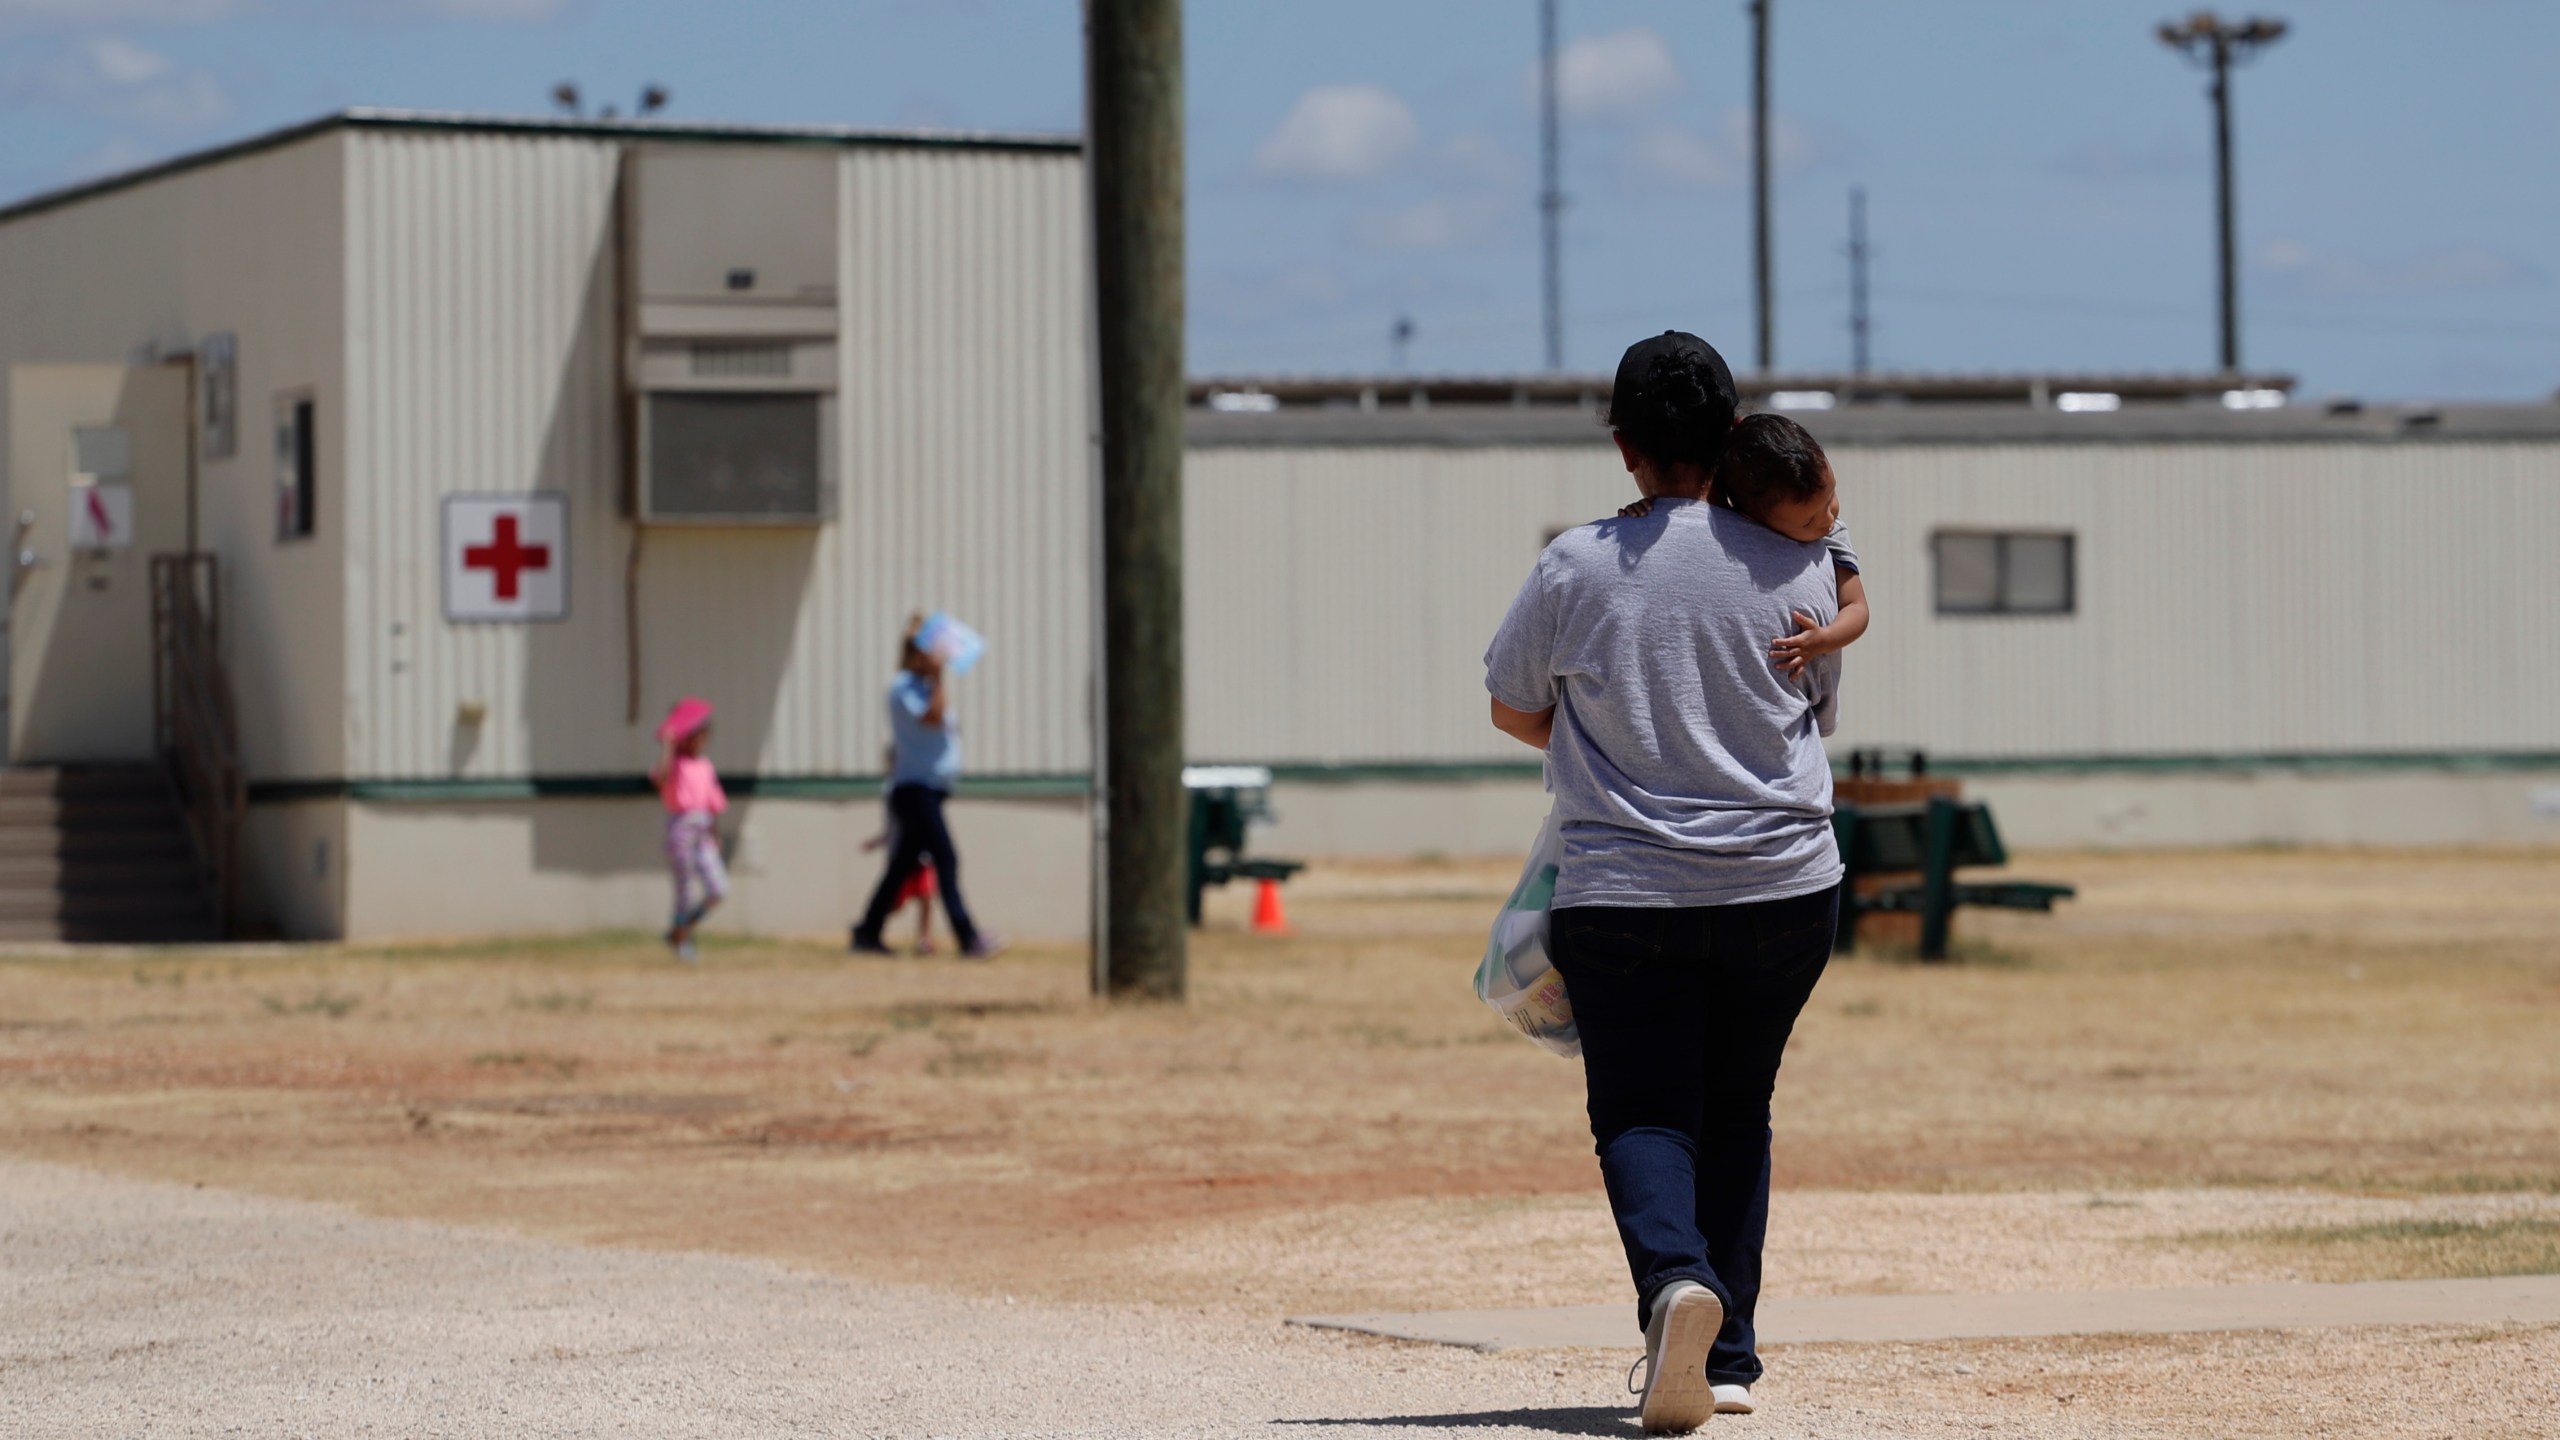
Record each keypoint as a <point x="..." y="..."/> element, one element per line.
<point x="692" y="784"/>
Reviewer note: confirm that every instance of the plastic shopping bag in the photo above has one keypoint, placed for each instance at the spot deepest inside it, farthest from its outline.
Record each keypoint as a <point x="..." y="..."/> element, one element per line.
<point x="1517" y="980"/>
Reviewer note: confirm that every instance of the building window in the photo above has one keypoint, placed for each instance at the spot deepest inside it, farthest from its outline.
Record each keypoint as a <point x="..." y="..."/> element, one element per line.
<point x="297" y="467"/>
<point x="2003" y="572"/>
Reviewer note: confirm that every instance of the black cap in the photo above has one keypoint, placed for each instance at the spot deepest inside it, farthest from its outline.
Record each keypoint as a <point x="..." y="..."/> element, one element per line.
<point x="1627" y="392"/>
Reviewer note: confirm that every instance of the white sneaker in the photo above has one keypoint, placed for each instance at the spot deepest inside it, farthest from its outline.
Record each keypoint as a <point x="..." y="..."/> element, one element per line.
<point x="1686" y="1317"/>
<point x="1733" y="1399"/>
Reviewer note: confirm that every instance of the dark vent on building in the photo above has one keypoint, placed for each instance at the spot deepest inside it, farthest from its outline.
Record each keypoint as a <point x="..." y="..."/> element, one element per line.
<point x="746" y="457"/>
<point x="741" y="361"/>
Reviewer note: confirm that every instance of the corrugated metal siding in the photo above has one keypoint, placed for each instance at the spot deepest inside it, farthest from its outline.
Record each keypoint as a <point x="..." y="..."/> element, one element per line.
<point x="248" y="246"/>
<point x="2233" y="599"/>
<point x="1338" y="600"/>
<point x="482" y="347"/>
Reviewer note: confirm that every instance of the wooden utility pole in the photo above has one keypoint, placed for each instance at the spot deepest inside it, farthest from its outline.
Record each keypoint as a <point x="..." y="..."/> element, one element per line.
<point x="1760" y="259"/>
<point x="1133" y="79"/>
<point x="2217" y="45"/>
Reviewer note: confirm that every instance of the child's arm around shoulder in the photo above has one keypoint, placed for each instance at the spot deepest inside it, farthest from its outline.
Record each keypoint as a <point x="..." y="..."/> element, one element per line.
<point x="1794" y="652"/>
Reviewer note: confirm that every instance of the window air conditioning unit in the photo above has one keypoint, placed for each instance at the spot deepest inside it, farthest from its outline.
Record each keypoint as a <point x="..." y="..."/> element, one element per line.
<point x="730" y="329"/>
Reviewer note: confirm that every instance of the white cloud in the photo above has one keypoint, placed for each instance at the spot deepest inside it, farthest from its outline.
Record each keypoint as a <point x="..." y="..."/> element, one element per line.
<point x="1614" y="76"/>
<point x="1340" y="132"/>
<point x="1666" y="154"/>
<point x="121" y="62"/>
<point x="2458" y="268"/>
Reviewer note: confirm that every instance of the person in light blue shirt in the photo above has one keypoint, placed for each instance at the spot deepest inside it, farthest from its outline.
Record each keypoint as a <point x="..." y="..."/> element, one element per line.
<point x="924" y="766"/>
<point x="924" y="745"/>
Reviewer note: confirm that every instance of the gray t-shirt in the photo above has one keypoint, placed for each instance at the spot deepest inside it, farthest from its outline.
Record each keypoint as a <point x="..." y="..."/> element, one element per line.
<point x="1686" y="769"/>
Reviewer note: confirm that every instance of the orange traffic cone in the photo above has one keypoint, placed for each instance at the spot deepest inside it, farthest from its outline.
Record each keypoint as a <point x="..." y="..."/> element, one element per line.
<point x="1268" y="917"/>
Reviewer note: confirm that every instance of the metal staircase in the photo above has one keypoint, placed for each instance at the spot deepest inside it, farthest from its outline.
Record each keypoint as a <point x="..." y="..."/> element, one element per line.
<point x="99" y="853"/>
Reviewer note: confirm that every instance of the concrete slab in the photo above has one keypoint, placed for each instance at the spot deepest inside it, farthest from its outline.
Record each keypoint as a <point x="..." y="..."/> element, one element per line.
<point x="2527" y="1299"/>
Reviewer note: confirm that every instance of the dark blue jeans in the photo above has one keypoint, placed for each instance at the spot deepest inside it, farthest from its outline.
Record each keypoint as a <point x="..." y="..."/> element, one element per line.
<point x="918" y="811"/>
<point x="1684" y="1014"/>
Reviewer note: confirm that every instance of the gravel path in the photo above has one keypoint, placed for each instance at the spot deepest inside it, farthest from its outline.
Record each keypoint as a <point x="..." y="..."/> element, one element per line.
<point x="131" y="1309"/>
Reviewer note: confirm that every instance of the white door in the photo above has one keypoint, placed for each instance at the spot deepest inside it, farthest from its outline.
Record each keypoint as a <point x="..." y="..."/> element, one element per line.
<point x="97" y="484"/>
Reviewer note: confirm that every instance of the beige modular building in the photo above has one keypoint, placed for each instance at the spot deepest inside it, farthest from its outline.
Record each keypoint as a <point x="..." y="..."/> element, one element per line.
<point x="2170" y="623"/>
<point x="759" y="393"/>
<point x="499" y="436"/>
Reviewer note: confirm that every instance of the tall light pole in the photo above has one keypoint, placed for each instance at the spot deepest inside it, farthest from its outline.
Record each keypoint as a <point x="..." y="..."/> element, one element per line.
<point x="1760" y="259"/>
<point x="1133" y="144"/>
<point x="2217" y="45"/>
<point x="1550" y="185"/>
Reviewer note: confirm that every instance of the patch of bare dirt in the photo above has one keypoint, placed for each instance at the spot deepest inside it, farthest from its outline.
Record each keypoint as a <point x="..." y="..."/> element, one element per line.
<point x="1332" y="1121"/>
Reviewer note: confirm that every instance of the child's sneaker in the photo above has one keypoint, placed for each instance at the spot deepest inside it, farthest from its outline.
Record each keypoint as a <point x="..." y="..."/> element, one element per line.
<point x="925" y="945"/>
<point x="688" y="952"/>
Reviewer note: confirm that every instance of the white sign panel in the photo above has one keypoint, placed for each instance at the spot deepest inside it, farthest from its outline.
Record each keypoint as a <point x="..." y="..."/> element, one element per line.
<point x="506" y="557"/>
<point x="101" y="517"/>
<point x="218" y="370"/>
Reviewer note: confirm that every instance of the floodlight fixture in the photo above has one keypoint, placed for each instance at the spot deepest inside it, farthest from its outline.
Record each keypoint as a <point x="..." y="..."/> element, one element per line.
<point x="2216" y="45"/>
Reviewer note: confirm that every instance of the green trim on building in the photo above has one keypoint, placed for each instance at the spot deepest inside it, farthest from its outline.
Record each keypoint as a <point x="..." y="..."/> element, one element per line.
<point x="2367" y="762"/>
<point x="1461" y="771"/>
<point x="1413" y="772"/>
<point x="634" y="131"/>
<point x="466" y="791"/>
<point x="471" y="791"/>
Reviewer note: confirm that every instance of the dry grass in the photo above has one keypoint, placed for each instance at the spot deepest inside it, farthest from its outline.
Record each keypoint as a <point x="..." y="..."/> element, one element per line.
<point x="2353" y="1023"/>
<point x="2404" y="1249"/>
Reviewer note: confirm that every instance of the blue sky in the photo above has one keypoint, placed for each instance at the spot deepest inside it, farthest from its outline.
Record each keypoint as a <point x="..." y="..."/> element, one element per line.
<point x="2039" y="173"/>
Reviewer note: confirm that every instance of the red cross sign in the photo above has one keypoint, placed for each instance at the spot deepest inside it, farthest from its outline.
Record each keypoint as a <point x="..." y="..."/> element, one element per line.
<point x="506" y="557"/>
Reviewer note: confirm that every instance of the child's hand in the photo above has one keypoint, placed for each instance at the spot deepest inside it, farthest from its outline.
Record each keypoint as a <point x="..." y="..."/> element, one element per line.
<point x="1794" y="652"/>
<point x="1638" y="510"/>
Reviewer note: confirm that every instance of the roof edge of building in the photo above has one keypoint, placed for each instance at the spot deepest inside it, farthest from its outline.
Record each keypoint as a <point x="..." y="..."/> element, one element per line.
<point x="1504" y="426"/>
<point x="375" y="118"/>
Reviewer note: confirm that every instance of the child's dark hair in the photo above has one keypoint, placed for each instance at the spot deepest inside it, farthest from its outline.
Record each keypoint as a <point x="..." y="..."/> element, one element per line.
<point x="1770" y="460"/>
<point x="1679" y="408"/>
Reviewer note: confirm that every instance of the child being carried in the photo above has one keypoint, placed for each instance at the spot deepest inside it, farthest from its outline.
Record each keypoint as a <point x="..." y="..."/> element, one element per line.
<point x="1774" y="473"/>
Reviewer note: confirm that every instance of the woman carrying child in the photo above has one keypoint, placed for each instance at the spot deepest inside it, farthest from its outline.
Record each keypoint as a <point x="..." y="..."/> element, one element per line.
<point x="1648" y="656"/>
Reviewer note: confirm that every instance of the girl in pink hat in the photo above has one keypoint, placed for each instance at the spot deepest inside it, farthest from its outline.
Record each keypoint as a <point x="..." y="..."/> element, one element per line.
<point x="691" y="791"/>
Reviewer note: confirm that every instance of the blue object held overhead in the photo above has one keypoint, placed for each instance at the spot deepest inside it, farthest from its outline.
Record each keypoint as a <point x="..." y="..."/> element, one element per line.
<point x="953" y="643"/>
